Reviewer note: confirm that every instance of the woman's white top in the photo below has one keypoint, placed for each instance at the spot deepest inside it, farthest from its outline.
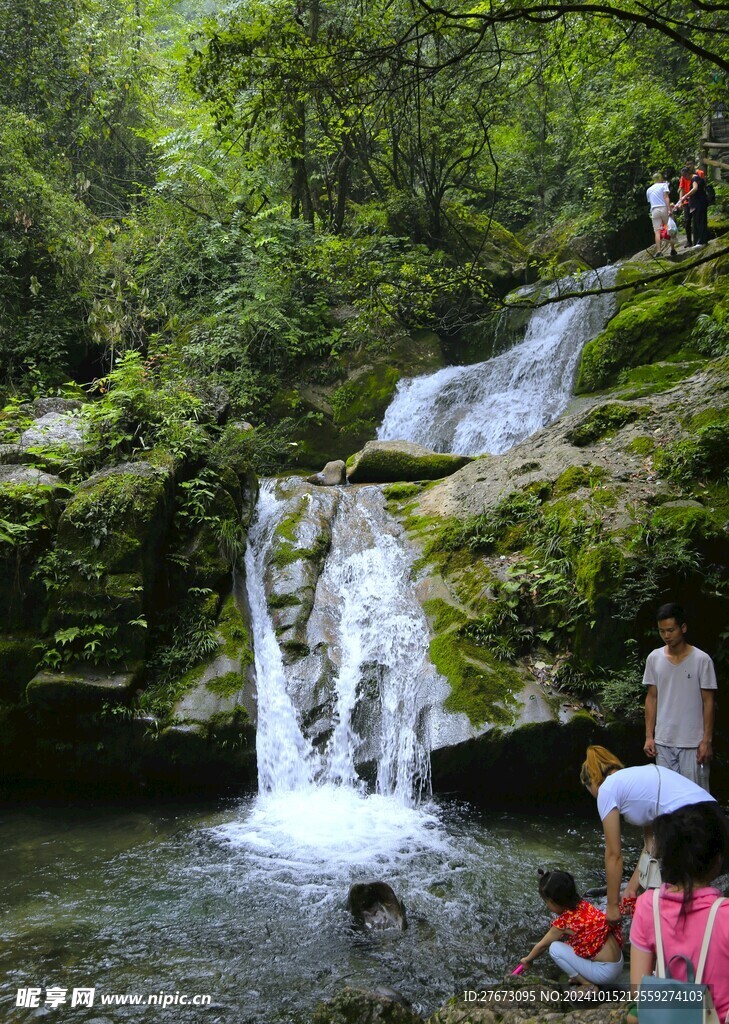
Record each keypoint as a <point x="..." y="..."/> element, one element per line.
<point x="634" y="791"/>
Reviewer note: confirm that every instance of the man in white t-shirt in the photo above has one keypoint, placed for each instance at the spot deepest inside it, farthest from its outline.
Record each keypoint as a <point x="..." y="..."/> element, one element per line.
<point x="680" y="701"/>
<point x="659" y="204"/>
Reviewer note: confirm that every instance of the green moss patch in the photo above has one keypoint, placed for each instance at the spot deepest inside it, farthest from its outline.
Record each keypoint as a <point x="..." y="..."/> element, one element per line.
<point x="604" y="420"/>
<point x="481" y="687"/>
<point x="365" y="399"/>
<point x="443" y="615"/>
<point x="226" y="685"/>
<point x="701" y="456"/>
<point x="686" y="519"/>
<point x="401" y="492"/>
<point x="598" y="574"/>
<point x="654" y="378"/>
<point x="641" y="446"/>
<point x="651" y="327"/>
<point x="576" y="477"/>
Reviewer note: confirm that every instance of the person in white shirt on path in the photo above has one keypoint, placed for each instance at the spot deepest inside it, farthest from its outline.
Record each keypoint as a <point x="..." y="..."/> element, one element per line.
<point x="680" y="701"/>
<point x="659" y="203"/>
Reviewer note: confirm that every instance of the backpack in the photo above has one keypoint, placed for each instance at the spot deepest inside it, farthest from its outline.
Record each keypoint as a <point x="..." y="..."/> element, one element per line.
<point x="710" y="193"/>
<point x="662" y="998"/>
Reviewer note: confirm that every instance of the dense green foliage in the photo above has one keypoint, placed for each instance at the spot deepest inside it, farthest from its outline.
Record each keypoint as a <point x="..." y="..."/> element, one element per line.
<point x="269" y="187"/>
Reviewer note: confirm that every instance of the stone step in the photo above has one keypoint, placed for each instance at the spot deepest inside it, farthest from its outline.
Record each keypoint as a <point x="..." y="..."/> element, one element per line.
<point x="83" y="687"/>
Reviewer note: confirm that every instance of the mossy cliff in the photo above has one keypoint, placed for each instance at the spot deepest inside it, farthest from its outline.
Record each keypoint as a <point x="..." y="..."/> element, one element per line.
<point x="116" y="594"/>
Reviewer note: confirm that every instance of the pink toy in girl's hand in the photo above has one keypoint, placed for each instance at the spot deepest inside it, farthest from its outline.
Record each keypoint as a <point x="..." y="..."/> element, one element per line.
<point x="518" y="969"/>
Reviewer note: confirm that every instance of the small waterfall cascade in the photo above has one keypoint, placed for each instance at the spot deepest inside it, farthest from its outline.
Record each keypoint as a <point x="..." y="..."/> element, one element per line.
<point x="367" y="620"/>
<point x="383" y="638"/>
<point x="286" y="760"/>
<point x="490" y="406"/>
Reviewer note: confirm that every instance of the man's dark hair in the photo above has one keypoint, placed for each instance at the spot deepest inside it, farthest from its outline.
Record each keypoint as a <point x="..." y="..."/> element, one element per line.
<point x="671" y="611"/>
<point x="688" y="842"/>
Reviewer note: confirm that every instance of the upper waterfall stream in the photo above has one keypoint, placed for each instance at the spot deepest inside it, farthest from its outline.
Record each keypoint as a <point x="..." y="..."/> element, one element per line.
<point x="490" y="406"/>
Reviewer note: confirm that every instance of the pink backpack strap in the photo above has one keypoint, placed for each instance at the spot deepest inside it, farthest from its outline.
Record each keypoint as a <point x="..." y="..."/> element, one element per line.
<point x="707" y="938"/>
<point x="661" y="962"/>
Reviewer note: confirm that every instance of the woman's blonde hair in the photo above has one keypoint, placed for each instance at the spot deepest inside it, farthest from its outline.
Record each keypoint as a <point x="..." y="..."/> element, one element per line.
<point x="597" y="766"/>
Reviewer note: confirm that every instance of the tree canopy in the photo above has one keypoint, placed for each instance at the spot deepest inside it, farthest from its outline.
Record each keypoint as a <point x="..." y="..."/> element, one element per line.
<point x="284" y="180"/>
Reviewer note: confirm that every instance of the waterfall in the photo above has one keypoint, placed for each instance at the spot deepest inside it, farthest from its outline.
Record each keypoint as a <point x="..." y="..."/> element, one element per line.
<point x="490" y="406"/>
<point x="384" y="687"/>
<point x="286" y="760"/>
<point x="383" y="629"/>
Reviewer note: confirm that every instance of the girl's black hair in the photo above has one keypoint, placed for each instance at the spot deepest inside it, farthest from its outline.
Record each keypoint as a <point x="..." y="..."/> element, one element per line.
<point x="559" y="887"/>
<point x="688" y="842"/>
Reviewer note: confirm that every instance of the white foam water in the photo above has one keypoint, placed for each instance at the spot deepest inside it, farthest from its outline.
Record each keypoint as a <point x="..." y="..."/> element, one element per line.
<point x="286" y="760"/>
<point x="334" y="826"/>
<point x="491" y="406"/>
<point x="312" y="806"/>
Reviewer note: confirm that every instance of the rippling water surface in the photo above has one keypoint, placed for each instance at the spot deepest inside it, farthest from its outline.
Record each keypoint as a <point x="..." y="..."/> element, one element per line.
<point x="248" y="902"/>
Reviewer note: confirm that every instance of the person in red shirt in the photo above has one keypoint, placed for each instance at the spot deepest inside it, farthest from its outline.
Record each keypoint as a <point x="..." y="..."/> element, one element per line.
<point x="580" y="940"/>
<point x="684" y="187"/>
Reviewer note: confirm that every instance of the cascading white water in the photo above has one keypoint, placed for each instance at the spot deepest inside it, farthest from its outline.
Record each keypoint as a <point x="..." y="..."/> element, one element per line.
<point x="379" y="640"/>
<point x="386" y="700"/>
<point x="490" y="406"/>
<point x="382" y="626"/>
<point x="286" y="759"/>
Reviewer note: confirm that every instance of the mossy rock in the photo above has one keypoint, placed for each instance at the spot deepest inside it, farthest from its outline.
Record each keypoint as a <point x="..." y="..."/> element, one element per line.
<point x="688" y="519"/>
<point x="651" y="327"/>
<point x="18" y="660"/>
<point x="443" y="615"/>
<point x="115" y="600"/>
<point x="119" y="516"/>
<point x="401" y="492"/>
<point x="714" y="272"/>
<point x="356" y="1006"/>
<point x="599" y="572"/>
<point x="576" y="477"/>
<point x="703" y="455"/>
<point x="481" y="687"/>
<point x="390" y="461"/>
<point x="366" y="398"/>
<point x="29" y="512"/>
<point x="655" y="378"/>
<point x="83" y="688"/>
<point x="603" y="421"/>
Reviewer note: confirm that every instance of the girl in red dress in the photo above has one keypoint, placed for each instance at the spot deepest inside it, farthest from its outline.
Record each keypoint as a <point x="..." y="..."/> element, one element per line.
<point x="580" y="940"/>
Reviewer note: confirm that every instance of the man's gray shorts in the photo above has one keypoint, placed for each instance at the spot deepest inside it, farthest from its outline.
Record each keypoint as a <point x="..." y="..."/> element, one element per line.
<point x="683" y="760"/>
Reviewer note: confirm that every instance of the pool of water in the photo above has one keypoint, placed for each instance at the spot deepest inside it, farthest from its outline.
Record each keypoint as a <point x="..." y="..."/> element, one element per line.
<point x="246" y="901"/>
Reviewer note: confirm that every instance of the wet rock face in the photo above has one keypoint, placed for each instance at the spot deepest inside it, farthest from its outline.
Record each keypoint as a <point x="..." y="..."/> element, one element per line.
<point x="375" y="907"/>
<point x="294" y="562"/>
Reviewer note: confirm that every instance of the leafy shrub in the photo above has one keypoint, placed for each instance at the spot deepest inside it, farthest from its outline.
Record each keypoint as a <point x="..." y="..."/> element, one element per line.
<point x="711" y="333"/>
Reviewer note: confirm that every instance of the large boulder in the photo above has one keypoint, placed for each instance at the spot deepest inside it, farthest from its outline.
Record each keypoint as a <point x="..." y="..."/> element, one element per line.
<point x="55" y="430"/>
<point x="390" y="461"/>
